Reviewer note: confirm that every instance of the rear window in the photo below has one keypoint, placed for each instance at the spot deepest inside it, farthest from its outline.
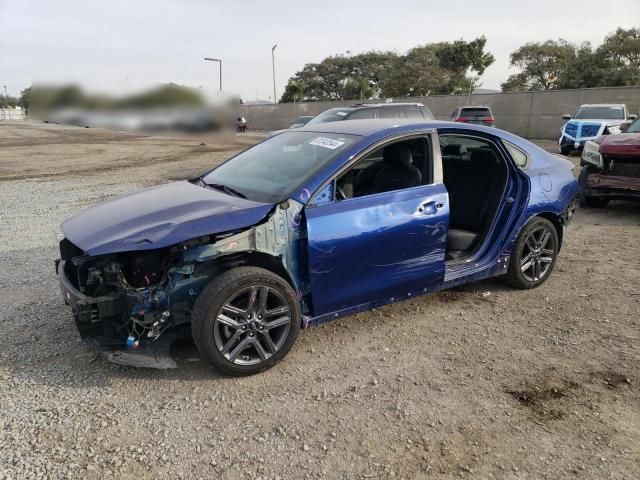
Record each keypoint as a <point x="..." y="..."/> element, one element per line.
<point x="475" y="112"/>
<point x="414" y="113"/>
<point x="391" y="113"/>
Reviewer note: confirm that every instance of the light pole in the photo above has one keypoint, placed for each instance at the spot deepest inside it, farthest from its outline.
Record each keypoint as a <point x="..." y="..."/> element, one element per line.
<point x="219" y="60"/>
<point x="273" y="65"/>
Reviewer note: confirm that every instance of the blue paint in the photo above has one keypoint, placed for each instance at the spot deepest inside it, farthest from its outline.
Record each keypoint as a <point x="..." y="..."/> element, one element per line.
<point x="159" y="217"/>
<point x="377" y="246"/>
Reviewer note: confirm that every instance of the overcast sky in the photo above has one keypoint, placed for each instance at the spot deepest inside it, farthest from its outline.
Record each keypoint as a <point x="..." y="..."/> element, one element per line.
<point x="111" y="45"/>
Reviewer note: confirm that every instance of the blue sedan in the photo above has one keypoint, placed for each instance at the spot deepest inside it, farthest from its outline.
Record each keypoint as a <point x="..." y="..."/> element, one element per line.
<point x="309" y="226"/>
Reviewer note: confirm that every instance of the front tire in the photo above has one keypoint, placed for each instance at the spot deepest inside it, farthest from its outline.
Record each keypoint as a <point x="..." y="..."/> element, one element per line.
<point x="246" y="320"/>
<point x="534" y="255"/>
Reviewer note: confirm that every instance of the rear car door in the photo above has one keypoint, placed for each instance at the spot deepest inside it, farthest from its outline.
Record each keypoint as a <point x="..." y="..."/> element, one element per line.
<point x="377" y="233"/>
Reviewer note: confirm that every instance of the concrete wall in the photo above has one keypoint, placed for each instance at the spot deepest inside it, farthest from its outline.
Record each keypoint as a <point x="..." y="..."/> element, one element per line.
<point x="528" y="114"/>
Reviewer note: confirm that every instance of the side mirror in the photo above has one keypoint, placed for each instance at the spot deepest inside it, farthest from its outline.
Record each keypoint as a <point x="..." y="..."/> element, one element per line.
<point x="625" y="125"/>
<point x="566" y="116"/>
<point x="632" y="117"/>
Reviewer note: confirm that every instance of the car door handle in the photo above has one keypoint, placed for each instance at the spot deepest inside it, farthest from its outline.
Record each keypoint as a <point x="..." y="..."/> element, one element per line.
<point x="430" y="207"/>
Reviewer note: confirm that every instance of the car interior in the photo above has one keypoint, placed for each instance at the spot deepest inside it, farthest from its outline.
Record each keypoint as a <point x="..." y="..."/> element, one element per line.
<point x="394" y="167"/>
<point x="475" y="175"/>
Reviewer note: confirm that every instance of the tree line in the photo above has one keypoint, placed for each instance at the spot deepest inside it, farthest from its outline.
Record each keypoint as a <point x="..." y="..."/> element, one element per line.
<point x="455" y="67"/>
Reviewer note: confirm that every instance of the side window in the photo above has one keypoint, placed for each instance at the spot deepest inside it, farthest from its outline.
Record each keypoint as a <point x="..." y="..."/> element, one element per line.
<point x="391" y="113"/>
<point x="518" y="155"/>
<point x="396" y="166"/>
<point x="361" y="114"/>
<point x="414" y="113"/>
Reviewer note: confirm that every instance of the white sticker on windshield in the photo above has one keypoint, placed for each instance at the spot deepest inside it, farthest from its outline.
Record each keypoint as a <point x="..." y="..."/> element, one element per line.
<point x="342" y="114"/>
<point x="327" y="143"/>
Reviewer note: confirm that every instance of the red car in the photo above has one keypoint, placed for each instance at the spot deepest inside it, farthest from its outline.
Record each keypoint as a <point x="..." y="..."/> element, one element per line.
<point x="611" y="167"/>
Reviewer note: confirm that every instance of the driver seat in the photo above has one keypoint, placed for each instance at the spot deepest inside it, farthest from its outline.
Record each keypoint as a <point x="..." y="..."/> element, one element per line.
<point x="398" y="171"/>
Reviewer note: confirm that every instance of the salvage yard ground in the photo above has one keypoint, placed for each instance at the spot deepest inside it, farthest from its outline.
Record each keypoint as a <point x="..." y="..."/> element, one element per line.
<point x="477" y="382"/>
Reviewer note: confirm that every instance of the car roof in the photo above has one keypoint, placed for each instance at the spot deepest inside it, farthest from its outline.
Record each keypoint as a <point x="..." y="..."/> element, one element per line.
<point x="370" y="126"/>
<point x="475" y="106"/>
<point x="390" y="104"/>
<point x="603" y="105"/>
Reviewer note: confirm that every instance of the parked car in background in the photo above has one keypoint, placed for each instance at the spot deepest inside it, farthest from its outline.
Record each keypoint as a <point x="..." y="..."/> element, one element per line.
<point x="367" y="111"/>
<point x="611" y="168"/>
<point x="474" y="115"/>
<point x="589" y="122"/>
<point x="301" y="121"/>
<point x="362" y="111"/>
<point x="308" y="226"/>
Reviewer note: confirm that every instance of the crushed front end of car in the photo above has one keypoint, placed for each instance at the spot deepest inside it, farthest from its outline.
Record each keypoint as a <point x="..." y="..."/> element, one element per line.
<point x="123" y="304"/>
<point x="132" y="306"/>
<point x="611" y="169"/>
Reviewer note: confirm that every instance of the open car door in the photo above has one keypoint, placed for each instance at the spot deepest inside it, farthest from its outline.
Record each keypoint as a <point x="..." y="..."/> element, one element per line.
<point x="380" y="246"/>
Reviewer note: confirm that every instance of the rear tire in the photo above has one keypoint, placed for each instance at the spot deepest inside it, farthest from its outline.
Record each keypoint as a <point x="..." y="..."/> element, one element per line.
<point x="565" y="151"/>
<point x="534" y="254"/>
<point x="246" y="320"/>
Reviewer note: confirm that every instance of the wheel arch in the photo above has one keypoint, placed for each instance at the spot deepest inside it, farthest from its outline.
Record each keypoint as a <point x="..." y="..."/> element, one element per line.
<point x="555" y="219"/>
<point x="256" y="259"/>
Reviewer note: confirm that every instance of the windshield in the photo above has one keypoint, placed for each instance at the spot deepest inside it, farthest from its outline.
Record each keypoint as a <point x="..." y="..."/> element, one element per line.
<point x="272" y="170"/>
<point x="600" y="113"/>
<point x="331" y="115"/>
<point x="302" y="120"/>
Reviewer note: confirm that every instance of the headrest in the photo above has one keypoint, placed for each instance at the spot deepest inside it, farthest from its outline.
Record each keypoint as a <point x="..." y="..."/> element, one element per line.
<point x="483" y="156"/>
<point x="398" y="153"/>
<point x="454" y="149"/>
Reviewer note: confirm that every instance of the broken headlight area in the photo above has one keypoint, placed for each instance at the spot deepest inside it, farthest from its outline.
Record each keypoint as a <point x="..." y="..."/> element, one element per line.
<point x="122" y="304"/>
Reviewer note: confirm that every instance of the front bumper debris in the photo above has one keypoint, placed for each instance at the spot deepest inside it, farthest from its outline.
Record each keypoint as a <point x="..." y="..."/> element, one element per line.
<point x="94" y="319"/>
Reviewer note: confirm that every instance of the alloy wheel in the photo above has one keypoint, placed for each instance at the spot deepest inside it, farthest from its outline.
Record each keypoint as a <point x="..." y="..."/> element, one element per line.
<point x="252" y="325"/>
<point x="537" y="257"/>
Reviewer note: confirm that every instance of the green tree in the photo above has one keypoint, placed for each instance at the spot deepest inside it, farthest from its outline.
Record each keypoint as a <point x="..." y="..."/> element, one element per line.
<point x="25" y="98"/>
<point x="437" y="68"/>
<point x="619" y="54"/>
<point x="460" y="57"/>
<point x="418" y="73"/>
<point x="586" y="70"/>
<point x="8" y="101"/>
<point x="339" y="77"/>
<point x="541" y="64"/>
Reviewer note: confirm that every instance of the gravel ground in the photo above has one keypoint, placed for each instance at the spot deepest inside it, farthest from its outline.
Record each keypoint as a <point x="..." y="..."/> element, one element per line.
<point x="476" y="382"/>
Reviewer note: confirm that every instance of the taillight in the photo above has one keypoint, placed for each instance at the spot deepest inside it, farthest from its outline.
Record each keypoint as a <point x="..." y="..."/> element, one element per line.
<point x="489" y="119"/>
<point x="460" y="119"/>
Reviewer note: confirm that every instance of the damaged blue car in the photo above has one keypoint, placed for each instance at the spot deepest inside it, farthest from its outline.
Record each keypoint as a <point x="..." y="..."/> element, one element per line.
<point x="308" y="226"/>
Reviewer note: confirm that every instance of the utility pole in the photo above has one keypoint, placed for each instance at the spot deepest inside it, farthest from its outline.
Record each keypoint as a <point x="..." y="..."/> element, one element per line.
<point x="219" y="60"/>
<point x="273" y="65"/>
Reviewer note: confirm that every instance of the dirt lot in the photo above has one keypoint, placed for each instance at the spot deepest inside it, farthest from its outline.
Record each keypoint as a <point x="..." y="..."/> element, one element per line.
<point x="477" y="382"/>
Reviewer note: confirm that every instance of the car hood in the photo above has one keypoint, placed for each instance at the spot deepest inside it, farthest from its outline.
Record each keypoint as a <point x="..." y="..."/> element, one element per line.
<point x="159" y="217"/>
<point x="608" y="123"/>
<point x="620" y="144"/>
